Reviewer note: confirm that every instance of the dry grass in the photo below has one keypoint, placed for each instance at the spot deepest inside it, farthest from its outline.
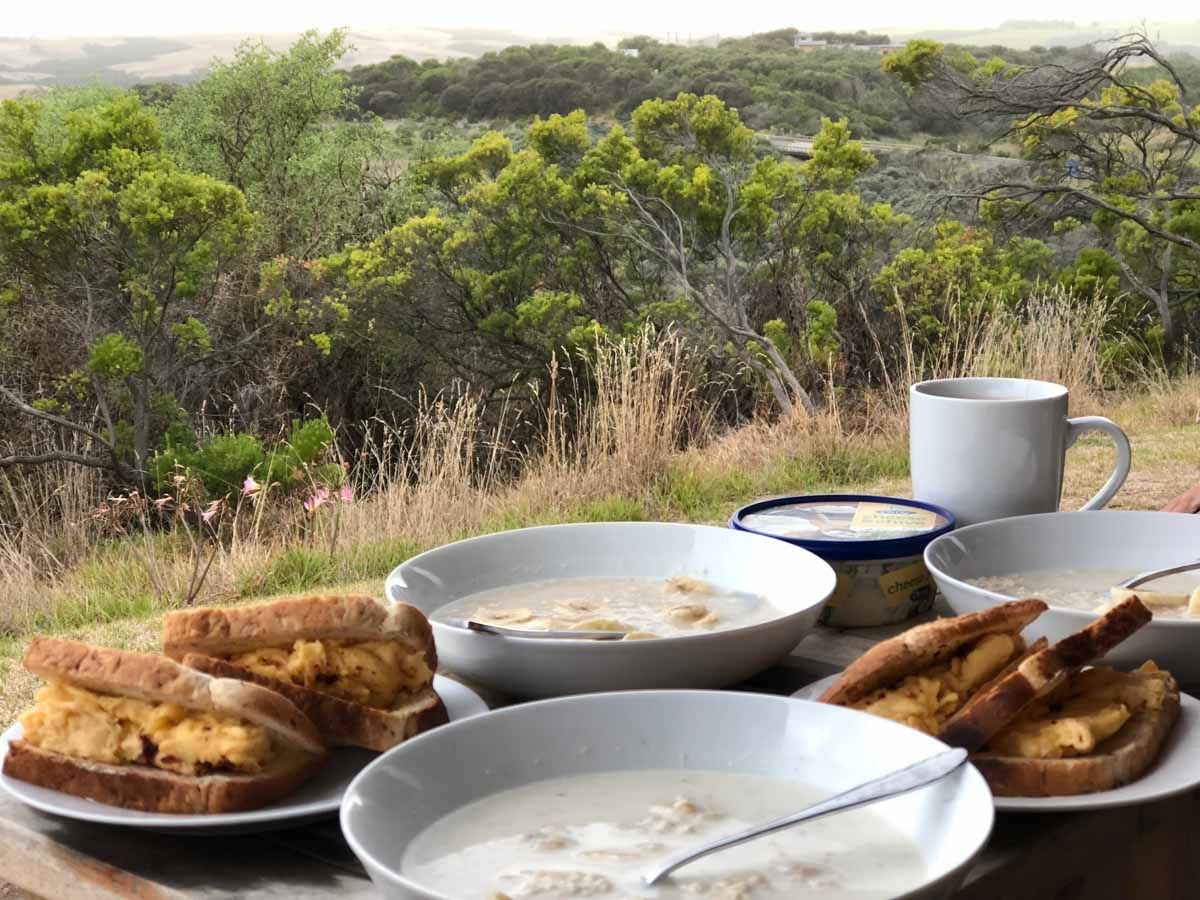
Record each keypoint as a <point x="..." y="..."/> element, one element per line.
<point x="444" y="476"/>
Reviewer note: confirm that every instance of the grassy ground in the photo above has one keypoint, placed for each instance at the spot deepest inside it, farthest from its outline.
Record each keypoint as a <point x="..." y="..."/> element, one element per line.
<point x="701" y="485"/>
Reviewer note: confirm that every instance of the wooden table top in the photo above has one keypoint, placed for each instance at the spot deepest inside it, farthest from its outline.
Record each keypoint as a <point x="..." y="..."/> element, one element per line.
<point x="1147" y="850"/>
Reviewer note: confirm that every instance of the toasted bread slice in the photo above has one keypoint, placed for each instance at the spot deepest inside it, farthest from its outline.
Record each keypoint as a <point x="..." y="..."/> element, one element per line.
<point x="1003" y="700"/>
<point x="156" y="679"/>
<point x="1122" y="758"/>
<point x="207" y="639"/>
<point x="923" y="646"/>
<point x="342" y="722"/>
<point x="225" y="631"/>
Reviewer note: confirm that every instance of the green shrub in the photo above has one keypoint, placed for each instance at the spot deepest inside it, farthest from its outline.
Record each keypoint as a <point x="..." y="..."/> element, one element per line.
<point x="296" y="569"/>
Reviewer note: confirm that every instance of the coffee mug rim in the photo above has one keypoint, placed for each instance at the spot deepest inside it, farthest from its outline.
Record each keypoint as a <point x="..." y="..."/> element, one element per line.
<point x="1055" y="391"/>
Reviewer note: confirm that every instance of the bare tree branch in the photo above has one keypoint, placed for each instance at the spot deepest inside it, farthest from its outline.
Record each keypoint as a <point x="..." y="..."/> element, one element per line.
<point x="37" y="459"/>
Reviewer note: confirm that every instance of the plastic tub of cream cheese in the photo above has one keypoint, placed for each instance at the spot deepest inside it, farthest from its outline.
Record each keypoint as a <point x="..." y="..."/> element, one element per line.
<point x="874" y="544"/>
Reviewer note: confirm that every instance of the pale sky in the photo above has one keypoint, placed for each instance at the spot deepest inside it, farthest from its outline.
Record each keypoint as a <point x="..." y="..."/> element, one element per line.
<point x="84" y="18"/>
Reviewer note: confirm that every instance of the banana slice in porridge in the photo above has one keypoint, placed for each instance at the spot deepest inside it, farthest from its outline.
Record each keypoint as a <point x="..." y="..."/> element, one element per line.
<point x="503" y="616"/>
<point x="688" y="612"/>
<point x="601" y="624"/>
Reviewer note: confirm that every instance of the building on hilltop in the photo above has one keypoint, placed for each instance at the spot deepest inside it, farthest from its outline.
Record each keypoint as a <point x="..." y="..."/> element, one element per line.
<point x="808" y="42"/>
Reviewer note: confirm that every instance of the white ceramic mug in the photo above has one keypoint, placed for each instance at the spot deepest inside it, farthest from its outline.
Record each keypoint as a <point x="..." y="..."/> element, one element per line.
<point x="988" y="448"/>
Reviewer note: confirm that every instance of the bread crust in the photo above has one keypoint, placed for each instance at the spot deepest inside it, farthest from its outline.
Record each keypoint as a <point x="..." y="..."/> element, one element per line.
<point x="157" y="679"/>
<point x="1122" y="758"/>
<point x="922" y="646"/>
<point x="1003" y="700"/>
<point x="343" y="722"/>
<point x="224" y="631"/>
<point x="153" y="790"/>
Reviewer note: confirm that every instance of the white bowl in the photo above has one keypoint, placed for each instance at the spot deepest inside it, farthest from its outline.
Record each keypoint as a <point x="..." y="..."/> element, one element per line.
<point x="829" y="747"/>
<point x="1104" y="539"/>
<point x="793" y="581"/>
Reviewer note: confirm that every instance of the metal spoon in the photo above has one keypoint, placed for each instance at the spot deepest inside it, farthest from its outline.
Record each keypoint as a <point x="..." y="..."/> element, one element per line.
<point x="485" y="628"/>
<point x="1136" y="580"/>
<point x="901" y="782"/>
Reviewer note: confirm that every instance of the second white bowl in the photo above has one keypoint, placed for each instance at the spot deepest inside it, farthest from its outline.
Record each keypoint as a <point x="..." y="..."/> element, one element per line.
<point x="793" y="581"/>
<point x="1134" y="541"/>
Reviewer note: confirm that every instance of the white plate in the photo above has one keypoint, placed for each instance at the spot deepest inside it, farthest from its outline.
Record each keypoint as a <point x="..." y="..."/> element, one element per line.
<point x="817" y="688"/>
<point x="316" y="798"/>
<point x="1175" y="771"/>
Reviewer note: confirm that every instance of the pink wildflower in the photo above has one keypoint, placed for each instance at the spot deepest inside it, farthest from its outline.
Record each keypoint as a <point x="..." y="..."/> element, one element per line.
<point x="346" y="494"/>
<point x="250" y="487"/>
<point x="213" y="509"/>
<point x="314" y="502"/>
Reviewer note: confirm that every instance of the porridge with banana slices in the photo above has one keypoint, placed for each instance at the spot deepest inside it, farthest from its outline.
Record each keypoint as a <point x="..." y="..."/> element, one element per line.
<point x="644" y="607"/>
<point x="1170" y="597"/>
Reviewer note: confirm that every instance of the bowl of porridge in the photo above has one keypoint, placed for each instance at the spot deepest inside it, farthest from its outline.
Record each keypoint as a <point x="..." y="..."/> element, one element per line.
<point x="691" y="606"/>
<point x="1073" y="560"/>
<point x="578" y="796"/>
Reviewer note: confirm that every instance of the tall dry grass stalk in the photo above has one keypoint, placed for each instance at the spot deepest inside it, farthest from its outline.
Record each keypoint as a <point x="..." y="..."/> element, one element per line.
<point x="641" y="408"/>
<point x="45" y="527"/>
<point x="1051" y="337"/>
<point x="611" y="424"/>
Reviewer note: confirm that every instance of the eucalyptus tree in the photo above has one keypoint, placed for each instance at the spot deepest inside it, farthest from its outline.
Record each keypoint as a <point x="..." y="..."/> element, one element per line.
<point x="110" y="259"/>
<point x="1114" y="140"/>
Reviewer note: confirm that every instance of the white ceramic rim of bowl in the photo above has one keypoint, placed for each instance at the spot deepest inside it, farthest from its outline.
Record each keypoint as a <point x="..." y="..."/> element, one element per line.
<point x="397" y="878"/>
<point x="716" y="634"/>
<point x="1084" y="616"/>
<point x="1047" y="390"/>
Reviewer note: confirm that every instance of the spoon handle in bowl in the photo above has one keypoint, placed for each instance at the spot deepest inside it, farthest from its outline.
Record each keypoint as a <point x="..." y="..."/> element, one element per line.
<point x="901" y="782"/>
<point x="581" y="635"/>
<point x="1153" y="574"/>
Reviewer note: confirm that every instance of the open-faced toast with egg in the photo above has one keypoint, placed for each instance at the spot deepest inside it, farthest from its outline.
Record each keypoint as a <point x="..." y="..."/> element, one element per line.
<point x="360" y="668"/>
<point x="924" y="676"/>
<point x="142" y="731"/>
<point x="1052" y="728"/>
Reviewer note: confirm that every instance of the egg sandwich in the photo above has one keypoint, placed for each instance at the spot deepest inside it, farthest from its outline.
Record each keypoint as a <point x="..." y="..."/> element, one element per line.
<point x="923" y="677"/>
<point x="142" y="731"/>
<point x="360" y="668"/>
<point x="1051" y="727"/>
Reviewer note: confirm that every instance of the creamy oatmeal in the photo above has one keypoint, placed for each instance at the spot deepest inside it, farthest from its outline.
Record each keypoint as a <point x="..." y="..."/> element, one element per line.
<point x="1170" y="597"/>
<point x="594" y="836"/>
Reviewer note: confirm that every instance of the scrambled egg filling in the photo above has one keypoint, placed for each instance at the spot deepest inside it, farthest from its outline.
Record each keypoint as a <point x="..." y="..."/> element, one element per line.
<point x="926" y="700"/>
<point x="373" y="673"/>
<point x="1084" y="712"/>
<point x="77" y="722"/>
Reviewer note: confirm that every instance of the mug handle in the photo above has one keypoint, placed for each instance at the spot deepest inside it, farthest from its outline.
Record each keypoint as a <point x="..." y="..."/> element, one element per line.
<point x="1076" y="427"/>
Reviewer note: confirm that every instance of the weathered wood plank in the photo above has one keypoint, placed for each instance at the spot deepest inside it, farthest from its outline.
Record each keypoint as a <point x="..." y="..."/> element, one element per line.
<point x="63" y="860"/>
<point x="1137" y="851"/>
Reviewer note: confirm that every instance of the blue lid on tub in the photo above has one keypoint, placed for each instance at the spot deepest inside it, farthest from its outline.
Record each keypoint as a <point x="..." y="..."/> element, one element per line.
<point x="847" y="526"/>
